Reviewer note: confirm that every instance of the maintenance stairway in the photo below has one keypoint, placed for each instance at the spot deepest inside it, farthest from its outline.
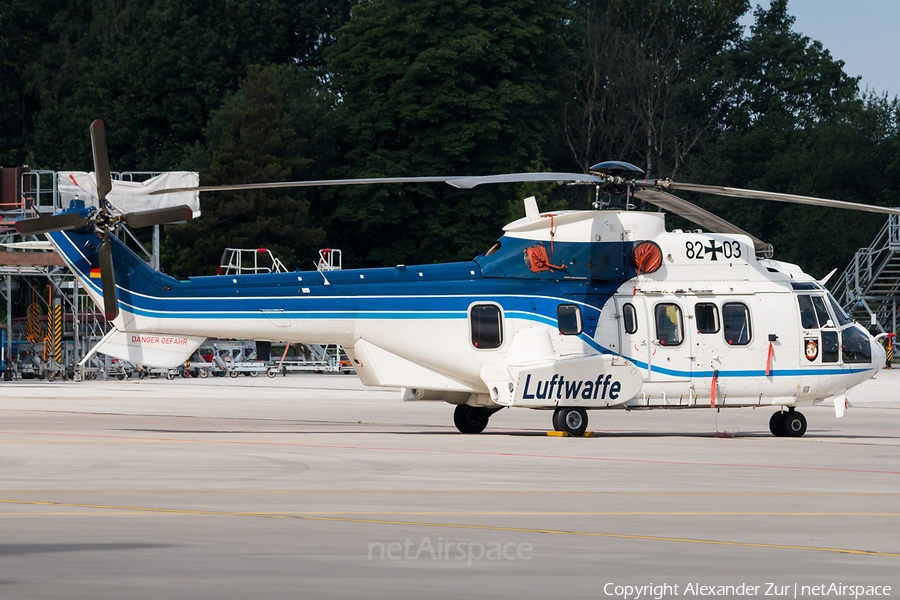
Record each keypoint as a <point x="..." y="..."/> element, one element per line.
<point x="869" y="289"/>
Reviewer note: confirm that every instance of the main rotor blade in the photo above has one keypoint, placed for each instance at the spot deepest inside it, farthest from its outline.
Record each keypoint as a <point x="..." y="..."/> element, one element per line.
<point x="291" y="184"/>
<point x="456" y="181"/>
<point x="757" y="195"/>
<point x="561" y="178"/>
<point x="695" y="214"/>
<point x="101" y="160"/>
<point x="158" y="216"/>
<point x="108" y="281"/>
<point x="51" y="223"/>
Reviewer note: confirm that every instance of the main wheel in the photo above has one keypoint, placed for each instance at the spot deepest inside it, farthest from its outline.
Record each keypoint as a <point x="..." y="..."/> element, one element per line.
<point x="794" y="424"/>
<point x="775" y="424"/>
<point x="470" y="419"/>
<point x="573" y="420"/>
<point x="557" y="423"/>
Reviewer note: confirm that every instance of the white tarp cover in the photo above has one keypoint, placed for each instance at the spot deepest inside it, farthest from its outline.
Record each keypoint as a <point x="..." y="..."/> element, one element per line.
<point x="132" y="196"/>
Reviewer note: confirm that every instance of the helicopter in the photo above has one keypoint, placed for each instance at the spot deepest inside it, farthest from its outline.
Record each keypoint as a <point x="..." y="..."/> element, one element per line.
<point x="568" y="312"/>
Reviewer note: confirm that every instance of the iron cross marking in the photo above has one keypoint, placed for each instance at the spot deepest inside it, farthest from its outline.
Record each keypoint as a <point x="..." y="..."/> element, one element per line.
<point x="713" y="249"/>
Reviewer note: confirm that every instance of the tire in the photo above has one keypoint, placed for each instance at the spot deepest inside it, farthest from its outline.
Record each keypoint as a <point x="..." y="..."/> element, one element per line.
<point x="120" y="376"/>
<point x="271" y="372"/>
<point x="793" y="424"/>
<point x="93" y="375"/>
<point x="195" y="373"/>
<point x="234" y="373"/>
<point x="573" y="421"/>
<point x="470" y="419"/>
<point x="76" y="376"/>
<point x="253" y="373"/>
<point x="557" y="424"/>
<point x="203" y="373"/>
<point x="775" y="424"/>
<point x="170" y="375"/>
<point x="142" y="374"/>
<point x="185" y="374"/>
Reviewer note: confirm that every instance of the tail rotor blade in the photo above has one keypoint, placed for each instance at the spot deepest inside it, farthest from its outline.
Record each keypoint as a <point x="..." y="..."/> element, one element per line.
<point x="52" y="223"/>
<point x="108" y="281"/>
<point x="101" y="160"/>
<point x="158" y="216"/>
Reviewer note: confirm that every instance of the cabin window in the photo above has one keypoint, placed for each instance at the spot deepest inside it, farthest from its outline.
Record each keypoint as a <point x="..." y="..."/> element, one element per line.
<point x="830" y="346"/>
<point x="568" y="316"/>
<point x="856" y="347"/>
<point x="629" y="315"/>
<point x="736" y="317"/>
<point x="669" y="325"/>
<point x="707" y="316"/>
<point x="487" y="326"/>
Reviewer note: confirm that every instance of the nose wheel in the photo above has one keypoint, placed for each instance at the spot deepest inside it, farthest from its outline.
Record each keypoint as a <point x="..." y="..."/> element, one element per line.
<point x="787" y="424"/>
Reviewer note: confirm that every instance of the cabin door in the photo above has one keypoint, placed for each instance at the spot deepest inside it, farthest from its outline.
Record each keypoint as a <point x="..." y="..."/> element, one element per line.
<point x="655" y="337"/>
<point x="670" y="344"/>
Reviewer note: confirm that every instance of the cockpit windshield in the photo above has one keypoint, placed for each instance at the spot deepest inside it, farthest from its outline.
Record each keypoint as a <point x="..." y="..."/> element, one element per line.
<point x="839" y="313"/>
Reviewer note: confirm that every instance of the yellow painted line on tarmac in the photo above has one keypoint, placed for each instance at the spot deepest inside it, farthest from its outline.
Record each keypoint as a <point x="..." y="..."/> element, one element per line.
<point x="461" y="526"/>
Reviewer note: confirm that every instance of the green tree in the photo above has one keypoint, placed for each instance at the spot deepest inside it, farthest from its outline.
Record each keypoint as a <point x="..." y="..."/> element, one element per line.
<point x="156" y="71"/>
<point x="648" y="80"/>
<point x="250" y="141"/>
<point x="798" y="125"/>
<point x="438" y="87"/>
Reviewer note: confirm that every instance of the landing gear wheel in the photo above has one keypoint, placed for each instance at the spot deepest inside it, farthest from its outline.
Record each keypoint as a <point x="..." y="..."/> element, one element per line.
<point x="557" y="423"/>
<point x="793" y="423"/>
<point x="573" y="420"/>
<point x="775" y="424"/>
<point x="470" y="419"/>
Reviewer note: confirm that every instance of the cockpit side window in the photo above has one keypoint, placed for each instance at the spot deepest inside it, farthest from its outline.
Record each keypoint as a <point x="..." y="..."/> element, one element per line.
<point x="808" y="318"/>
<point x="813" y="314"/>
<point x="822" y="312"/>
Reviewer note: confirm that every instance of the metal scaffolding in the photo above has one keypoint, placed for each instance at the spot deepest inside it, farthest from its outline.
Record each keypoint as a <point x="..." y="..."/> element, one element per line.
<point x="869" y="288"/>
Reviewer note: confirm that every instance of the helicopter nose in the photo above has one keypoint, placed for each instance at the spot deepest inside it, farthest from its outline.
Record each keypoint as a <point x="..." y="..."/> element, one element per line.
<point x="879" y="354"/>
